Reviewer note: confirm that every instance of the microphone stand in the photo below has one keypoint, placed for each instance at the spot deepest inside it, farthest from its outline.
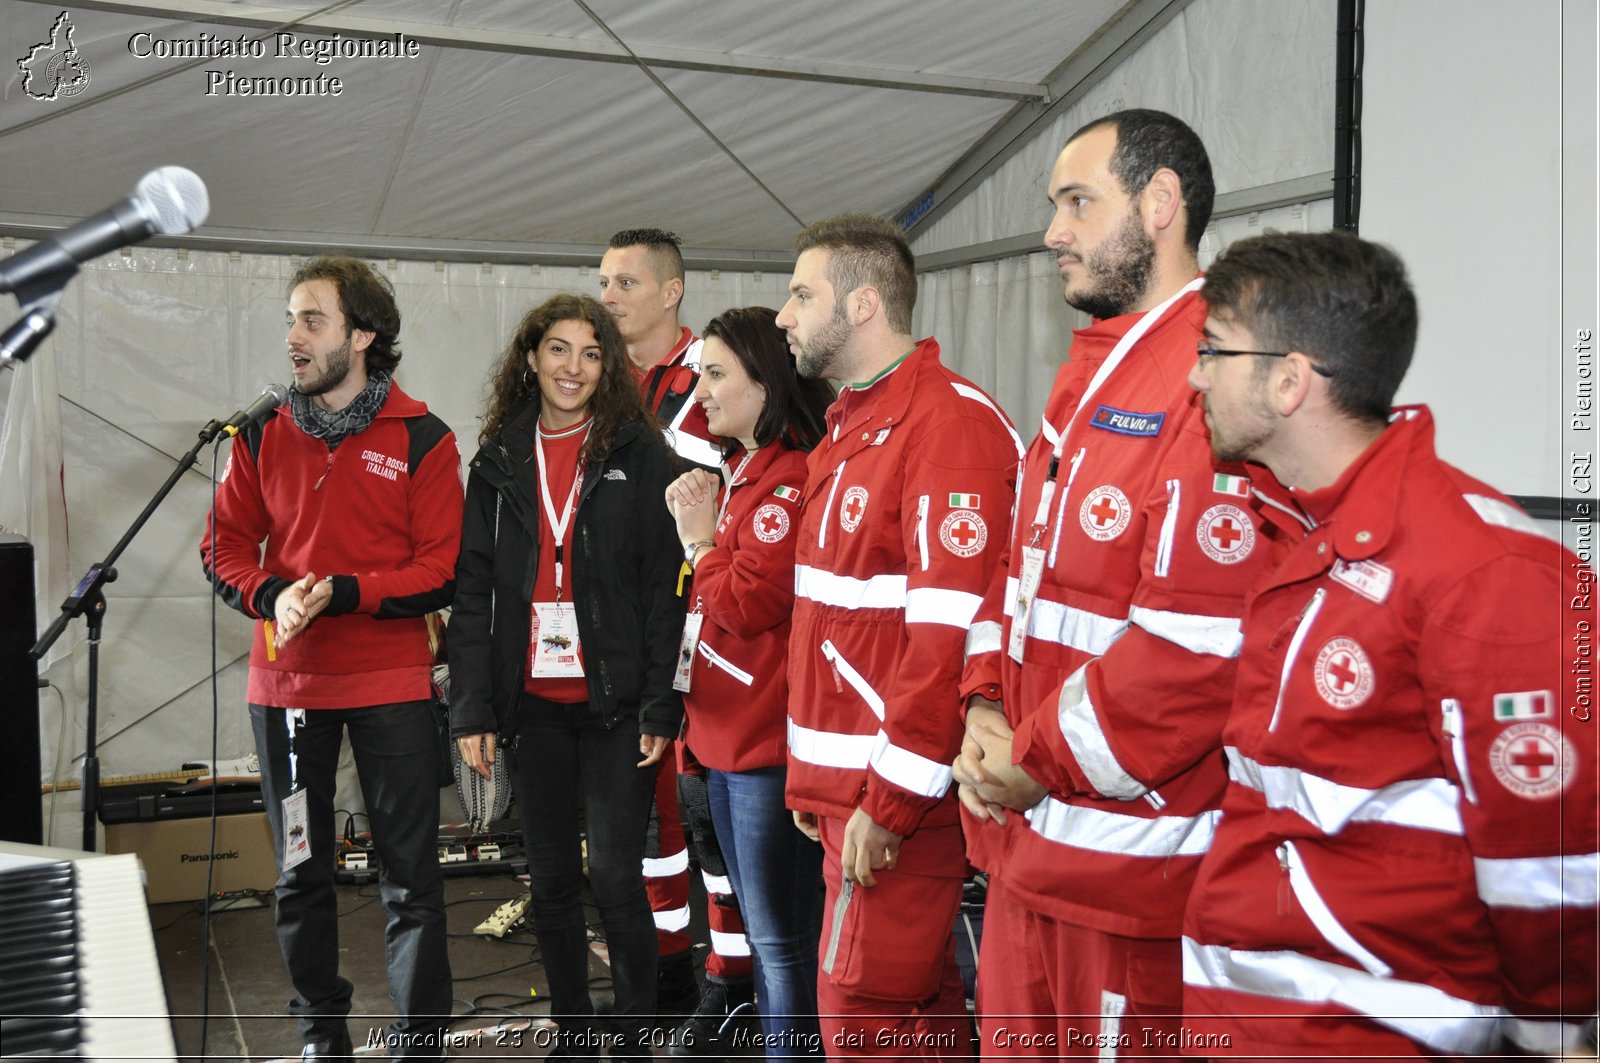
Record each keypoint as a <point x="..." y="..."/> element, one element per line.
<point x="38" y="320"/>
<point x="88" y="600"/>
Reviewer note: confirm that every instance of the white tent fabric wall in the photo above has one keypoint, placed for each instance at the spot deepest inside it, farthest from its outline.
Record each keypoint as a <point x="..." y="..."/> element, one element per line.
<point x="1253" y="77"/>
<point x="1264" y="119"/>
<point x="1004" y="325"/>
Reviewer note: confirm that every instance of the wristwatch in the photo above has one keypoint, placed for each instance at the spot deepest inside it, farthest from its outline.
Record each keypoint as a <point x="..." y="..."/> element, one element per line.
<point x="694" y="548"/>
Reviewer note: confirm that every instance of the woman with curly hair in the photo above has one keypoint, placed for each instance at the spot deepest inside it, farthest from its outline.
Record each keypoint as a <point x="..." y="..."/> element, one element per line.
<point x="563" y="639"/>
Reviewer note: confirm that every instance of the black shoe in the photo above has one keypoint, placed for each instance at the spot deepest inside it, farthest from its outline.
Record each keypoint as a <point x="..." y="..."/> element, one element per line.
<point x="725" y="1007"/>
<point x="335" y="1049"/>
<point x="677" y="990"/>
<point x="578" y="1043"/>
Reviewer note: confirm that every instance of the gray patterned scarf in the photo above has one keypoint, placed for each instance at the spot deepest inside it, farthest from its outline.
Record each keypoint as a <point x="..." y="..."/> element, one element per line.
<point x="333" y="427"/>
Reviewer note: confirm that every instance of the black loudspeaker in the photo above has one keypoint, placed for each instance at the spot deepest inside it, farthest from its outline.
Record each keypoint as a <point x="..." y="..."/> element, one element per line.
<point x="19" y="696"/>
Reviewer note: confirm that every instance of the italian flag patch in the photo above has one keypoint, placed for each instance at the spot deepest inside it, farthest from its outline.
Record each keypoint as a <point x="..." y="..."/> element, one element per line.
<point x="1224" y="484"/>
<point x="787" y="492"/>
<point x="1522" y="705"/>
<point x="963" y="501"/>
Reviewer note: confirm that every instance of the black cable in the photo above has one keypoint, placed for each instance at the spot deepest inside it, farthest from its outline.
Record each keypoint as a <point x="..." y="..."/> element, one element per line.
<point x="477" y="1002"/>
<point x="368" y="899"/>
<point x="180" y="917"/>
<point x="216" y="716"/>
<point x="490" y="974"/>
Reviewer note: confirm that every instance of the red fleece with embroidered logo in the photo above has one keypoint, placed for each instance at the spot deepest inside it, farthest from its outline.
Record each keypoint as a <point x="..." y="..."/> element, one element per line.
<point x="384" y="507"/>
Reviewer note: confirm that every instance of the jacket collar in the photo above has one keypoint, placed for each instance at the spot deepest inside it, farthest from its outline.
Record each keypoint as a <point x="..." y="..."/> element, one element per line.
<point x="1359" y="508"/>
<point x="1096" y="339"/>
<point x="1093" y="344"/>
<point x="862" y="411"/>
<point x="760" y="462"/>
<point x="674" y="356"/>
<point x="510" y="452"/>
<point x="399" y="404"/>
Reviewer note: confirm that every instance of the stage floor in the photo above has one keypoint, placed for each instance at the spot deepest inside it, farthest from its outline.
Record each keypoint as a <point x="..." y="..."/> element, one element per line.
<point x="499" y="984"/>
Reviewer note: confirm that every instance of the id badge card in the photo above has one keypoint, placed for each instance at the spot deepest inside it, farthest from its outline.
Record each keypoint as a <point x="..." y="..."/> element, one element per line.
<point x="686" y="648"/>
<point x="555" y="642"/>
<point x="1027" y="591"/>
<point x="296" y="836"/>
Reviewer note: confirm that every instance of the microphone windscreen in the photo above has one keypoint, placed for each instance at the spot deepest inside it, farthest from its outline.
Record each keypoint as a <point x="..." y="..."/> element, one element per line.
<point x="175" y="198"/>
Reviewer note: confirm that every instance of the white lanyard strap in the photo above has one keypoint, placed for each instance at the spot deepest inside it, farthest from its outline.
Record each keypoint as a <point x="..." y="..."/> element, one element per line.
<point x="1109" y="366"/>
<point x="292" y="720"/>
<point x="558" y="525"/>
<point x="733" y="478"/>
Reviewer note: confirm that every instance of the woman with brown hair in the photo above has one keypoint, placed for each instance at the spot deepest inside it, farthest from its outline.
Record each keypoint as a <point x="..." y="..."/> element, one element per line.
<point x="739" y="535"/>
<point x="563" y="638"/>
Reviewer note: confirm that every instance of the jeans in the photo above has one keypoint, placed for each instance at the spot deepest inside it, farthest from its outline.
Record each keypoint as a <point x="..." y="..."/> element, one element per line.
<point x="397" y="758"/>
<point x="777" y="875"/>
<point x="565" y="762"/>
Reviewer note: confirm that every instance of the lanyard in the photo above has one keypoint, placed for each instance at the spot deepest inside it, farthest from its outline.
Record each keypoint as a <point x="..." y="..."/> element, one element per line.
<point x="558" y="526"/>
<point x="293" y="719"/>
<point x="733" y="478"/>
<point x="1113" y="360"/>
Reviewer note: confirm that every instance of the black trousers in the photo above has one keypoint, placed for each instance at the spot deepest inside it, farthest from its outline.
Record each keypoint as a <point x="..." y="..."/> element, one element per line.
<point x="396" y="753"/>
<point x="566" y="762"/>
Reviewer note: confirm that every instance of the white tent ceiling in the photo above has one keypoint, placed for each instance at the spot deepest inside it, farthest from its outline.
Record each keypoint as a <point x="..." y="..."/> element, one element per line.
<point x="535" y="128"/>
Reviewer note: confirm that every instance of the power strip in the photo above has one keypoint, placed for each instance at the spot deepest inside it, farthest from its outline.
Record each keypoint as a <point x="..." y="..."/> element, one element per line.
<point x="361" y="866"/>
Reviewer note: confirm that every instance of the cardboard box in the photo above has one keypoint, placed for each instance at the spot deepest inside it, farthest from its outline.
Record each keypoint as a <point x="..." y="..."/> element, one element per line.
<point x="173" y="852"/>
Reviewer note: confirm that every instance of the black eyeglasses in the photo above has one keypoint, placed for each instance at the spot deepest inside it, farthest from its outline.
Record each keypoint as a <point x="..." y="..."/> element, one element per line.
<point x="1205" y="350"/>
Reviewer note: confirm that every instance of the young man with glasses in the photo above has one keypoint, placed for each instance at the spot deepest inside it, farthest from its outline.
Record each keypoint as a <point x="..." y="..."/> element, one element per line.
<point x="1405" y="864"/>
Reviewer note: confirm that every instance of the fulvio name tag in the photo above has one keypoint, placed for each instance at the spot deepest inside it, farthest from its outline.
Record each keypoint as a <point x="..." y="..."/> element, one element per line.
<point x="1127" y="422"/>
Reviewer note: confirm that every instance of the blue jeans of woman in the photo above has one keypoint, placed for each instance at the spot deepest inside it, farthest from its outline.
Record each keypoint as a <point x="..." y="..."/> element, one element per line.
<point x="566" y="763"/>
<point x="777" y="875"/>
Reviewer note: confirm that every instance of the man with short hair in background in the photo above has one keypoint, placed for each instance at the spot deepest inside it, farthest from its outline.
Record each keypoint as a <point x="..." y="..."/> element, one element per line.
<point x="641" y="283"/>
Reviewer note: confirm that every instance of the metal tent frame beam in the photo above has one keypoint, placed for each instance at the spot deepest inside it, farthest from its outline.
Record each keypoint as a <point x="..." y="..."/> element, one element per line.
<point x="366" y="245"/>
<point x="1067" y="84"/>
<point x="1228" y="205"/>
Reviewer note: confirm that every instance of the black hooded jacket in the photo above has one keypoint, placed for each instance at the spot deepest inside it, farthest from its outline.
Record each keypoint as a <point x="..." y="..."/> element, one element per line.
<point x="624" y="572"/>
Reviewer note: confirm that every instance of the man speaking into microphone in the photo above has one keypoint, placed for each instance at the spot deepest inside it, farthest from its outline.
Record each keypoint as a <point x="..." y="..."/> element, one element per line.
<point x="355" y="490"/>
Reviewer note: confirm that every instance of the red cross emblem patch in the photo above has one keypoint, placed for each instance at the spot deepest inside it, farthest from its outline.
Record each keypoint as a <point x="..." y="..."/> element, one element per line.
<point x="853" y="508"/>
<point x="1344" y="675"/>
<point x="1533" y="760"/>
<point x="1105" y="513"/>
<point x="771" y="523"/>
<point x="1226" y="534"/>
<point x="963" y="533"/>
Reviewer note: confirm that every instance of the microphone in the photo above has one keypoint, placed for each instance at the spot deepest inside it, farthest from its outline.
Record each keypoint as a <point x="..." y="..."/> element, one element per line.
<point x="168" y="201"/>
<point x="272" y="396"/>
